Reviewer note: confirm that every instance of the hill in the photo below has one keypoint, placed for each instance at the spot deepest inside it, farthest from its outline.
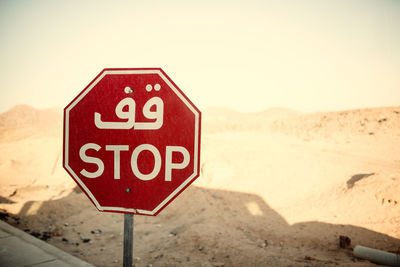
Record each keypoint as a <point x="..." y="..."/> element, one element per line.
<point x="23" y="121"/>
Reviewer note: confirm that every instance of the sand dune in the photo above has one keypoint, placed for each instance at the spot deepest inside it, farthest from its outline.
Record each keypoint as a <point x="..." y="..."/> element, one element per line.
<point x="277" y="188"/>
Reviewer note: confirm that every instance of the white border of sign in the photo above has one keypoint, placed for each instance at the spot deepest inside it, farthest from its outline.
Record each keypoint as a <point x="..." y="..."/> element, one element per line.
<point x="196" y="139"/>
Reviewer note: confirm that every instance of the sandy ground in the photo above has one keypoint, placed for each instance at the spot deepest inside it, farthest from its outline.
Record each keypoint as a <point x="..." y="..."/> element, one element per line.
<point x="277" y="188"/>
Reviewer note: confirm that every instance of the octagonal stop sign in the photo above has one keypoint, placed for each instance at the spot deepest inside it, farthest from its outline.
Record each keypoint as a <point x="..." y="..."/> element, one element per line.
<point x="132" y="140"/>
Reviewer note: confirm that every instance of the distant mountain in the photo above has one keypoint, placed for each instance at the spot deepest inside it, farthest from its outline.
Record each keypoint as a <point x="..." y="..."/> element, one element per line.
<point x="223" y="119"/>
<point x="25" y="115"/>
<point x="277" y="113"/>
<point x="365" y="121"/>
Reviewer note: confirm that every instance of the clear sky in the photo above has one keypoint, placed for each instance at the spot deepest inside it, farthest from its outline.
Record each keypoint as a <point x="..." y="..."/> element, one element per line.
<point x="246" y="55"/>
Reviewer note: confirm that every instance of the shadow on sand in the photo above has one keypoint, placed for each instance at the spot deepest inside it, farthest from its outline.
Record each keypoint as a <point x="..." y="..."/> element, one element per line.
<point x="202" y="227"/>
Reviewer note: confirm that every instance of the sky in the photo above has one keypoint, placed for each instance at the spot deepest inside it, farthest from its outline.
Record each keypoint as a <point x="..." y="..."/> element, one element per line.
<point x="244" y="55"/>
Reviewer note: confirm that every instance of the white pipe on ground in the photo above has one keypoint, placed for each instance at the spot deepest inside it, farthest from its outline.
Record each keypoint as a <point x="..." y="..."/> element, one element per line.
<point x="377" y="256"/>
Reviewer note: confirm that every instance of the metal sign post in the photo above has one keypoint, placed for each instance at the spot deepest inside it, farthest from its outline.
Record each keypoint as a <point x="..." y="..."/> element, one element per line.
<point x="128" y="240"/>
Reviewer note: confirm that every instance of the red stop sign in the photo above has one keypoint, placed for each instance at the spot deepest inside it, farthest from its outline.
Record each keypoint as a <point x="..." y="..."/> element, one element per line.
<point x="132" y="140"/>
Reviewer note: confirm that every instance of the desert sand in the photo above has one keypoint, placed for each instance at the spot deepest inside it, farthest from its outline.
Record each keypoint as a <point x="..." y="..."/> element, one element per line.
<point x="277" y="188"/>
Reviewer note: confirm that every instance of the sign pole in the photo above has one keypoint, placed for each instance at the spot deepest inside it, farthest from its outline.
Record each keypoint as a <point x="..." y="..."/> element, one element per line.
<point x="128" y="240"/>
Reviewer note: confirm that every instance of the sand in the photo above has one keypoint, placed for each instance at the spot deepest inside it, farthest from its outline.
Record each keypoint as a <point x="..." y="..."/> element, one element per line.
<point x="277" y="188"/>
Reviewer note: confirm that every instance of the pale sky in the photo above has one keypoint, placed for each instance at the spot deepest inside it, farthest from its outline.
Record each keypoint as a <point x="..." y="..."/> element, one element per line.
<point x="246" y="55"/>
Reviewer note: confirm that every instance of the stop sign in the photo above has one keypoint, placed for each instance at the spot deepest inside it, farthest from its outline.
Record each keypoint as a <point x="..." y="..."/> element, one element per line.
<point x="132" y="140"/>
